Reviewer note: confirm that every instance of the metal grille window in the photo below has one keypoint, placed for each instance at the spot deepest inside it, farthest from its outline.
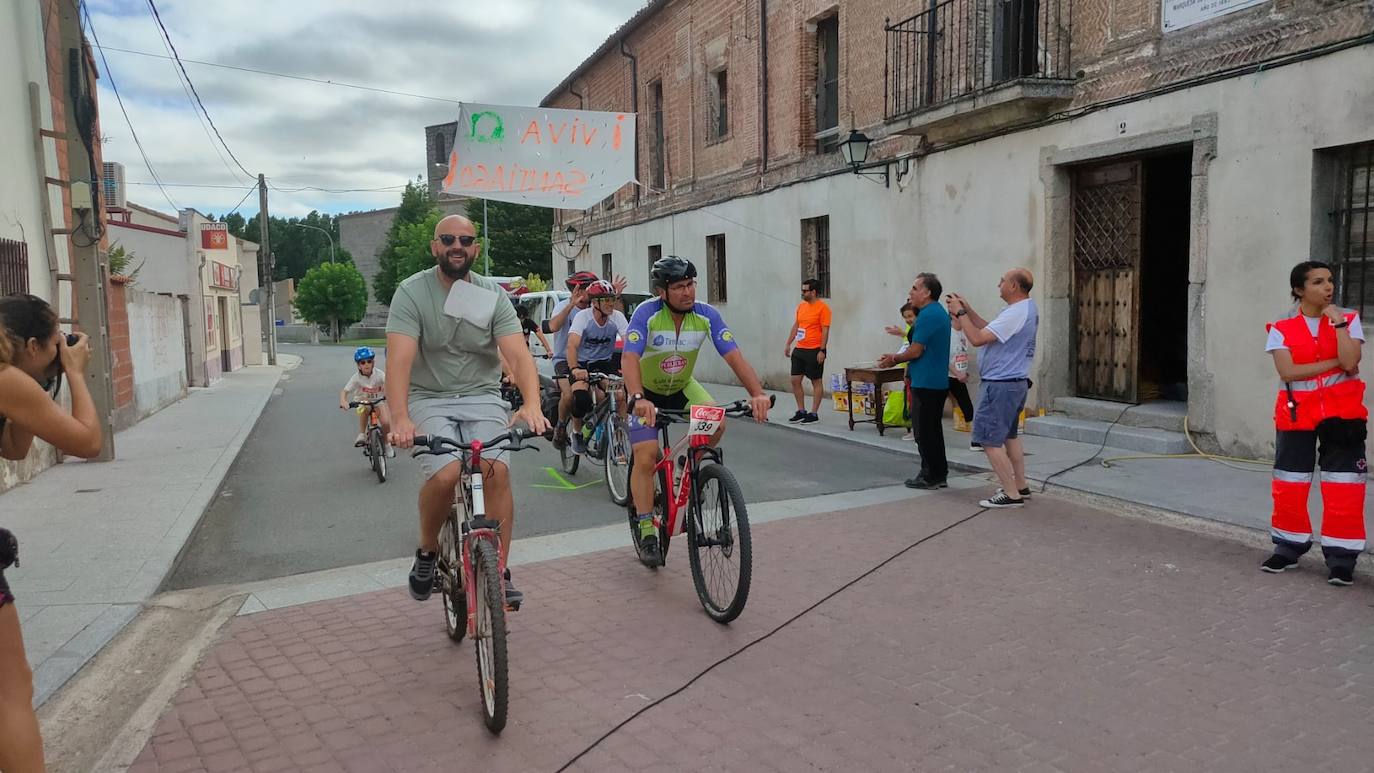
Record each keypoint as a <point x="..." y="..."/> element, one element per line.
<point x="715" y="269"/>
<point x="815" y="259"/>
<point x="657" y="151"/>
<point x="1354" y="220"/>
<point x="14" y="267"/>
<point x="720" y="112"/>
<point x="605" y="265"/>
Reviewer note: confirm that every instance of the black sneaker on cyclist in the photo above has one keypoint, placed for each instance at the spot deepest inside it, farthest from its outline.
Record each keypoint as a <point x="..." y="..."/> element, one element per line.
<point x="579" y="444"/>
<point x="796" y="417"/>
<point x="648" y="548"/>
<point x="514" y="598"/>
<point x="422" y="575"/>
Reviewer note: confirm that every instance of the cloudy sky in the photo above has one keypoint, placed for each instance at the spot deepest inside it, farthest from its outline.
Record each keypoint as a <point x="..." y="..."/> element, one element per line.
<point x="300" y="133"/>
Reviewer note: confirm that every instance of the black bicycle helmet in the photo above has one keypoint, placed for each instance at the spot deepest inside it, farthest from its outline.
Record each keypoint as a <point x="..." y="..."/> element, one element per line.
<point x="671" y="268"/>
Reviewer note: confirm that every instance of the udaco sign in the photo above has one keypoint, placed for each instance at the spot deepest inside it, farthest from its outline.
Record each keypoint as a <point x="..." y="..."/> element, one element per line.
<point x="214" y="236"/>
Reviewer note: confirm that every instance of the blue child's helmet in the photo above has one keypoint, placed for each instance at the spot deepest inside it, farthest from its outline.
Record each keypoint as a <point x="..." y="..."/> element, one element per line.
<point x="363" y="353"/>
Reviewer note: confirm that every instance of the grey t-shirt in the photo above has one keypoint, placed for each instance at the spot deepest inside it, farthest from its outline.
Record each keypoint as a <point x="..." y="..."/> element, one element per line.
<point x="456" y="358"/>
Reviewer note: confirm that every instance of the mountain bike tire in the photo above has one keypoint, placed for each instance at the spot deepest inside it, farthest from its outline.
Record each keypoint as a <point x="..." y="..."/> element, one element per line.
<point x="618" y="447"/>
<point x="490" y="639"/>
<point x="378" y="451"/>
<point x="450" y="580"/>
<point x="718" y="543"/>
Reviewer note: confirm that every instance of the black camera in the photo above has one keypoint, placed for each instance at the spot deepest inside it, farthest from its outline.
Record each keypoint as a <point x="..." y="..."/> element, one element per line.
<point x="72" y="338"/>
<point x="9" y="550"/>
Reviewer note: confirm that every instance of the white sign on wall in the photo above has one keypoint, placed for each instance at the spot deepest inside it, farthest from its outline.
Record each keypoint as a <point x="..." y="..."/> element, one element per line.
<point x="1184" y="13"/>
<point x="566" y="159"/>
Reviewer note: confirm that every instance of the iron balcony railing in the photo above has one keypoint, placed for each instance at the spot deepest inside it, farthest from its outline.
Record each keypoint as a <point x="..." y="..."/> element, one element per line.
<point x="957" y="48"/>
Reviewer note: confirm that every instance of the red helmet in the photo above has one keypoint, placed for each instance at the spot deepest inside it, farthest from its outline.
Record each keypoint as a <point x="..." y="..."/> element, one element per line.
<point x="580" y="279"/>
<point x="602" y="289"/>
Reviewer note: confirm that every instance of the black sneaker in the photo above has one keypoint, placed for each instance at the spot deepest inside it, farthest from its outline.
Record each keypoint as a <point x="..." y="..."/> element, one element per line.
<point x="922" y="483"/>
<point x="1277" y="563"/>
<point x="514" y="598"/>
<point x="422" y="575"/>
<point x="1000" y="500"/>
<point x="648" y="549"/>
<point x="975" y="446"/>
<point x="810" y="418"/>
<point x="1341" y="575"/>
<point x="1025" y="492"/>
<point x="798" y="416"/>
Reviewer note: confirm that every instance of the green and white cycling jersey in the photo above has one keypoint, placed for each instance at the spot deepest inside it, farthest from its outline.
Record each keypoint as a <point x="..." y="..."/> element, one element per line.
<point x="667" y="355"/>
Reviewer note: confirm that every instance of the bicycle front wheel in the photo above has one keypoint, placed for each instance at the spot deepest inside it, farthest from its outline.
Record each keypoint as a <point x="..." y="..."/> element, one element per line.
<point x="618" y="455"/>
<point x="569" y="459"/>
<point x="721" y="553"/>
<point x="491" y="636"/>
<point x="378" y="449"/>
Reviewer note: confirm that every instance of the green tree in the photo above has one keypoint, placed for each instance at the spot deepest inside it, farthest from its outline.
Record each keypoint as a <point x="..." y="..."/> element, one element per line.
<point x="297" y="250"/>
<point x="332" y="294"/>
<point x="399" y="254"/>
<point x="520" y="238"/>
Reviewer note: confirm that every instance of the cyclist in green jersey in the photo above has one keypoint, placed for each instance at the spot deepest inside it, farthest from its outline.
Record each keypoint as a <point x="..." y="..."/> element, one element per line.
<point x="661" y="347"/>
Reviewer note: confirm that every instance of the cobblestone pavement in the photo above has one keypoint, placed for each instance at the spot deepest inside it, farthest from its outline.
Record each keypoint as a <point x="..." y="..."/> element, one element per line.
<point x="1056" y="637"/>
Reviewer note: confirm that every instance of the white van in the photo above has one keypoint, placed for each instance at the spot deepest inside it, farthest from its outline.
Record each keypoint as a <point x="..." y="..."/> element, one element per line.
<point x="540" y="307"/>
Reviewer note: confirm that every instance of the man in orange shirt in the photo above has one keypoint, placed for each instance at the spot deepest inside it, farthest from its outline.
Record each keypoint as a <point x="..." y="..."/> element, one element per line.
<point x="806" y="348"/>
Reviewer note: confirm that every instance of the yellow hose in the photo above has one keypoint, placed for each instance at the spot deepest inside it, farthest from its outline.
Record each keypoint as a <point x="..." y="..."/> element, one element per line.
<point x="1197" y="453"/>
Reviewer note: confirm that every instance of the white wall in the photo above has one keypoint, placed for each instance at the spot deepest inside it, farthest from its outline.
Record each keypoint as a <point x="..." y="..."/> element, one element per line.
<point x="968" y="214"/>
<point x="157" y="345"/>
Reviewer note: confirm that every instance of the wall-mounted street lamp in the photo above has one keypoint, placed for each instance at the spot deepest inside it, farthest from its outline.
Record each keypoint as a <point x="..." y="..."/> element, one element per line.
<point x="854" y="149"/>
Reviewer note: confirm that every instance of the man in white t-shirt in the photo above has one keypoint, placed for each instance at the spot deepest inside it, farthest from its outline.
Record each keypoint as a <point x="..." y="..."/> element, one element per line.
<point x="369" y="383"/>
<point x="1008" y="344"/>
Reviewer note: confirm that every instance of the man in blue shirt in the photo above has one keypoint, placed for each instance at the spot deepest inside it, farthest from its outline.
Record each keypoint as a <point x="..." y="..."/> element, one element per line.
<point x="927" y="358"/>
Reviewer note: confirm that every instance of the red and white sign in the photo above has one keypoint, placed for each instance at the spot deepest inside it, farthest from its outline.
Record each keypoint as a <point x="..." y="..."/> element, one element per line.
<point x="214" y="236"/>
<point x="224" y="276"/>
<point x="706" y="421"/>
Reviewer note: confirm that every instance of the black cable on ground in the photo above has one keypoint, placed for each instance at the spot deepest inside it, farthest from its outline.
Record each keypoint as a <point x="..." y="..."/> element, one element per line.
<point x="1102" y="447"/>
<point x="768" y="635"/>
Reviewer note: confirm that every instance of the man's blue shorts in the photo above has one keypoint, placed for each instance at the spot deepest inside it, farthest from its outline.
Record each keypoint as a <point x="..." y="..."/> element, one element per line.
<point x="999" y="408"/>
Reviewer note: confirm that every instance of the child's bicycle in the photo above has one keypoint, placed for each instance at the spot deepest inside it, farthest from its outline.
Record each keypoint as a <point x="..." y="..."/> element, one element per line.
<point x="374" y="443"/>
<point x="717" y="524"/>
<point x="471" y="567"/>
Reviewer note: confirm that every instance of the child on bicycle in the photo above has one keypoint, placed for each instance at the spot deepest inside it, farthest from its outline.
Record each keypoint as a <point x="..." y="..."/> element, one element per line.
<point x="369" y="383"/>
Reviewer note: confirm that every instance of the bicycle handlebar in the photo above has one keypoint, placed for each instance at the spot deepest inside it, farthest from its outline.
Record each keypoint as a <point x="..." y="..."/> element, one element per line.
<point x="737" y="408"/>
<point x="361" y="403"/>
<point x="436" y="444"/>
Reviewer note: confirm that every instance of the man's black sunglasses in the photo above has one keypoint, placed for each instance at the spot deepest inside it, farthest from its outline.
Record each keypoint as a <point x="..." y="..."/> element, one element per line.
<point x="449" y="239"/>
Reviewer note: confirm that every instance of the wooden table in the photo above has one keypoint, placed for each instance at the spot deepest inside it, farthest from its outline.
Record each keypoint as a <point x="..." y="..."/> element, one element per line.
<point x="870" y="374"/>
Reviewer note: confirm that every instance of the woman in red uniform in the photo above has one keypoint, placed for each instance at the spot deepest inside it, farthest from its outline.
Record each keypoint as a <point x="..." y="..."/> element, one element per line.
<point x="1320" y="417"/>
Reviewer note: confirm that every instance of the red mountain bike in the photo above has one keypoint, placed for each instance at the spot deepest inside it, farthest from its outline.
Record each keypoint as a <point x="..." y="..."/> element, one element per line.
<point x="717" y="522"/>
<point x="471" y="566"/>
<point x="374" y="444"/>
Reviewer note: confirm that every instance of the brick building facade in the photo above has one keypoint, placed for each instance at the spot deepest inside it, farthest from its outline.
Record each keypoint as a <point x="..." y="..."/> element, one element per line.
<point x="1159" y="164"/>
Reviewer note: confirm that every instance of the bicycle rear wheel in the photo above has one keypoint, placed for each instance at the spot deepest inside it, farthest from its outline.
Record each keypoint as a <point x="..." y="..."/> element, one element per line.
<point x="721" y="552"/>
<point x="618" y="456"/>
<point x="490" y="637"/>
<point x="378" y="450"/>
<point x="450" y="576"/>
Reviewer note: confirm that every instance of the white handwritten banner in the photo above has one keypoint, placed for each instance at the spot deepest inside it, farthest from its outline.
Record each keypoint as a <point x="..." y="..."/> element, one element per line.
<point x="565" y="159"/>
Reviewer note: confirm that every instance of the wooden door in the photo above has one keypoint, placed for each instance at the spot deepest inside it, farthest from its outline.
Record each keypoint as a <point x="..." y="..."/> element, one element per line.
<point x="1107" y="214"/>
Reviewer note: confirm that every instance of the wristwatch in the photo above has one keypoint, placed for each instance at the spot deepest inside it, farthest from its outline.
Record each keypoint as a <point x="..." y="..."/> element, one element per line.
<point x="961" y="312"/>
<point x="1341" y="324"/>
<point x="634" y="398"/>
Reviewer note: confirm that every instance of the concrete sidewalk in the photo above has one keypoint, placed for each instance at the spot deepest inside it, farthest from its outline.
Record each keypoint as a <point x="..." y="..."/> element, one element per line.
<point x="96" y="539"/>
<point x="1197" y="487"/>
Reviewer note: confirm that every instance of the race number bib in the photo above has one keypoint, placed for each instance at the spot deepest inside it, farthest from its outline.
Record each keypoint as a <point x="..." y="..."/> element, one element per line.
<point x="705" y="421"/>
<point x="801" y="336"/>
<point x="961" y="362"/>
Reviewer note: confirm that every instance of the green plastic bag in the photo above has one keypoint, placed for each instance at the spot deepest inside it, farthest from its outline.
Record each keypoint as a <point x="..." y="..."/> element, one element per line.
<point x="894" y="410"/>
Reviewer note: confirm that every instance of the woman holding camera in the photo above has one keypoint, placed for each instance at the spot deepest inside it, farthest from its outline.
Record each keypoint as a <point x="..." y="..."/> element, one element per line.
<point x="34" y="354"/>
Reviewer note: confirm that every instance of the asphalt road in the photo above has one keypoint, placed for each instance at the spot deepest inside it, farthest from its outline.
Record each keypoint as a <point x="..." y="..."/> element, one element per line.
<point x="300" y="498"/>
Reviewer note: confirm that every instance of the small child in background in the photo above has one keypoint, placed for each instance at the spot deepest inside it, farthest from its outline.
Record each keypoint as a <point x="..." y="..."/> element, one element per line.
<point x="369" y="383"/>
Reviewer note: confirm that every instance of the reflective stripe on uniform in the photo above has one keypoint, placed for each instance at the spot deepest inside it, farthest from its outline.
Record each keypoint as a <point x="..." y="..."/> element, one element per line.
<point x="1340" y="477"/>
<point x="1348" y="544"/>
<point x="1291" y="536"/>
<point x="1289" y="476"/>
